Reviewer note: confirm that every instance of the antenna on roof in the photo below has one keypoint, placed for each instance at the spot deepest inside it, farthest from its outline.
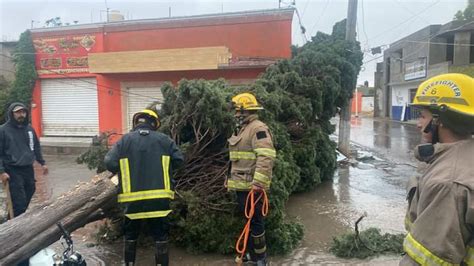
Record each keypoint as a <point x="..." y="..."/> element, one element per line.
<point x="107" y="10"/>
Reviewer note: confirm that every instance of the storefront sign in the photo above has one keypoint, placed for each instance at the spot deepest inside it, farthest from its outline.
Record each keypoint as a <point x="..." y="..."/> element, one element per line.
<point x="77" y="61"/>
<point x="51" y="63"/>
<point x="65" y="54"/>
<point x="416" y="69"/>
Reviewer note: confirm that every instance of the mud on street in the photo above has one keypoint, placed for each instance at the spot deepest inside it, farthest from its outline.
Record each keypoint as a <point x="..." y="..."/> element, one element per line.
<point x="375" y="185"/>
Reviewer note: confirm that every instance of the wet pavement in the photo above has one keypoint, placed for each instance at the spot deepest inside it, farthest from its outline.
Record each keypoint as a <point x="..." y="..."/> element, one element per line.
<point x="374" y="185"/>
<point x="394" y="140"/>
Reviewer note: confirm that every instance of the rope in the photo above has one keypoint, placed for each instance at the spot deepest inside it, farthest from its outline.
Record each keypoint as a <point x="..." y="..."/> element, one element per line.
<point x="250" y="203"/>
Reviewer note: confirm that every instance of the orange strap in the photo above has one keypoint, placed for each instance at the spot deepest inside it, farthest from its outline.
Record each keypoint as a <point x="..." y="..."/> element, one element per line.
<point x="250" y="203"/>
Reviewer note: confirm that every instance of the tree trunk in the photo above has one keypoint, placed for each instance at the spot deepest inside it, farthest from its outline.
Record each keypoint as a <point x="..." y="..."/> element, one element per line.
<point x="28" y="233"/>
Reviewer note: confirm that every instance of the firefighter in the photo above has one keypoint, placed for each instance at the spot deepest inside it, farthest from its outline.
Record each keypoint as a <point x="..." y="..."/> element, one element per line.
<point x="251" y="155"/>
<point x="440" y="215"/>
<point x="144" y="160"/>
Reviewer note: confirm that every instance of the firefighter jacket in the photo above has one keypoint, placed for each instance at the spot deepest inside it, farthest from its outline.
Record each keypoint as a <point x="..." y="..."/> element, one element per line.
<point x="251" y="155"/>
<point x="440" y="215"/>
<point x="144" y="160"/>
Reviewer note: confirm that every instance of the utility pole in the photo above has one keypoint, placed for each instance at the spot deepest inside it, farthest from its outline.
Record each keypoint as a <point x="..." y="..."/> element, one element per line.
<point x="107" y="10"/>
<point x="345" y="115"/>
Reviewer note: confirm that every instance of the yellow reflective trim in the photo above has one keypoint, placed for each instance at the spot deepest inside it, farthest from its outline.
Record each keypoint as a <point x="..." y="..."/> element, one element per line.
<point x="125" y="174"/>
<point x="165" y="160"/>
<point x="265" y="152"/>
<point x="261" y="178"/>
<point x="145" y="195"/>
<point x="145" y="215"/>
<point x="260" y="250"/>
<point x="238" y="184"/>
<point x="469" y="258"/>
<point x="421" y="254"/>
<point x="242" y="155"/>
<point x="149" y="112"/>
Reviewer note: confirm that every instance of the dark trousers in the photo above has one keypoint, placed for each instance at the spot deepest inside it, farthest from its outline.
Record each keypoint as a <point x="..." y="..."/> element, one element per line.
<point x="257" y="224"/>
<point x="22" y="188"/>
<point x="159" y="228"/>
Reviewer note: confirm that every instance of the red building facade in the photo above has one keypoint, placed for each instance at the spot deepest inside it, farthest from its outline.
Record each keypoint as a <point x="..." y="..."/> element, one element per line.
<point x="93" y="77"/>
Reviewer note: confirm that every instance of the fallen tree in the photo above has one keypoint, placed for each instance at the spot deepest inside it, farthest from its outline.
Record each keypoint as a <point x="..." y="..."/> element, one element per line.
<point x="30" y="232"/>
<point x="300" y="96"/>
<point x="368" y="243"/>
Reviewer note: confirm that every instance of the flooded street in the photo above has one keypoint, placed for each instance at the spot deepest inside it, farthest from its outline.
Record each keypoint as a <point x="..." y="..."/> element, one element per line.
<point x="375" y="185"/>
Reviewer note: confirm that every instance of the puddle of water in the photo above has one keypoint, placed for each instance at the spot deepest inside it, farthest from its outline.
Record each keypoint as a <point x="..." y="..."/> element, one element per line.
<point x="375" y="186"/>
<point x="330" y="210"/>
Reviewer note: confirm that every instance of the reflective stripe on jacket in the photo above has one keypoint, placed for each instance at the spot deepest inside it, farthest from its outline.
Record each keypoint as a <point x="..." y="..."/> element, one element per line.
<point x="252" y="154"/>
<point x="144" y="160"/>
<point x="440" y="215"/>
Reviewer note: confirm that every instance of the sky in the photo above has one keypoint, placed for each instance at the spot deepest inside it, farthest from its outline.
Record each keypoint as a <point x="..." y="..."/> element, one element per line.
<point x="379" y="22"/>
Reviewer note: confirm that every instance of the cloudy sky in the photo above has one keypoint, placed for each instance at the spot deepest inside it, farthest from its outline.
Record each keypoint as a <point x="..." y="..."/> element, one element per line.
<point x="380" y="22"/>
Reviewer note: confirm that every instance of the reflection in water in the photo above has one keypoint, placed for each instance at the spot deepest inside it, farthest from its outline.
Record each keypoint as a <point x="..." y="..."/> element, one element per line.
<point x="382" y="137"/>
<point x="413" y="140"/>
<point x="332" y="208"/>
<point x="356" y="121"/>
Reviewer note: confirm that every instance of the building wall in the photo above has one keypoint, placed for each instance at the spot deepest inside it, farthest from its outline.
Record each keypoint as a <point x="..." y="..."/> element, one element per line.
<point x="7" y="67"/>
<point x="243" y="39"/>
<point x="447" y="49"/>
<point x="468" y="70"/>
<point x="408" y="49"/>
<point x="462" y="41"/>
<point x="110" y="107"/>
<point x="378" y="86"/>
<point x="264" y="36"/>
<point x="397" y="85"/>
<point x="437" y="51"/>
<point x="400" y="100"/>
<point x="367" y="104"/>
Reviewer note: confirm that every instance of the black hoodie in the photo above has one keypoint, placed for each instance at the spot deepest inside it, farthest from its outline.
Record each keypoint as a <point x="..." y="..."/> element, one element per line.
<point x="19" y="145"/>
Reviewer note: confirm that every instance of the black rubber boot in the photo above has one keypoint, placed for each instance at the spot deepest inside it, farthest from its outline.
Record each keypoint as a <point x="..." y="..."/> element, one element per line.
<point x="161" y="253"/>
<point x="259" y="252"/>
<point x="130" y="248"/>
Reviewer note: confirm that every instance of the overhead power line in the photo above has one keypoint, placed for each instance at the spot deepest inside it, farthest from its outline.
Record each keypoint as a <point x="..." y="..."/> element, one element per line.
<point x="363" y="24"/>
<point x="405" y="21"/>
<point x="304" y="9"/>
<point x="320" y="16"/>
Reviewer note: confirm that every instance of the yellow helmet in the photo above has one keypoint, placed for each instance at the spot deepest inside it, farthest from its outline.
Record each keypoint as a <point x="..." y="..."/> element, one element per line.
<point x="447" y="92"/>
<point x="151" y="117"/>
<point x="246" y="101"/>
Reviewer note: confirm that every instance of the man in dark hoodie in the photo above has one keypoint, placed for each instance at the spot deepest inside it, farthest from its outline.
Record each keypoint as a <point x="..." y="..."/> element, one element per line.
<point x="19" y="148"/>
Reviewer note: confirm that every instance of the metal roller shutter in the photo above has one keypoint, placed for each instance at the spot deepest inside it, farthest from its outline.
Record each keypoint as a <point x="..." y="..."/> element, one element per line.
<point x="139" y="99"/>
<point x="70" y="107"/>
